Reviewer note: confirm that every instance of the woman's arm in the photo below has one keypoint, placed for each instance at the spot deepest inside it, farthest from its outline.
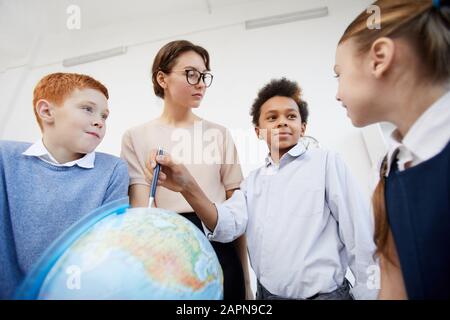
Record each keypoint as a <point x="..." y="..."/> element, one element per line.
<point x="139" y="195"/>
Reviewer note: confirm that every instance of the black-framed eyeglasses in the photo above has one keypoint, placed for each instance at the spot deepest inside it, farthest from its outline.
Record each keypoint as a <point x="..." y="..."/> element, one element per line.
<point x="193" y="77"/>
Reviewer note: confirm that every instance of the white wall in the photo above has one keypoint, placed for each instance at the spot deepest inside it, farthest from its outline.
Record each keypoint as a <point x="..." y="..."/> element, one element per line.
<point x="242" y="62"/>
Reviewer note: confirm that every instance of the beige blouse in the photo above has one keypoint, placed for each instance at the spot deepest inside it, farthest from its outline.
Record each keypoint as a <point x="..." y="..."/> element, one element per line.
<point x="206" y="149"/>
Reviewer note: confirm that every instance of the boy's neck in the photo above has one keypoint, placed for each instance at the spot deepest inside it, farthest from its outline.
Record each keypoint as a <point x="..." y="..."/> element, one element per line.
<point x="177" y="116"/>
<point x="60" y="154"/>
<point x="277" y="154"/>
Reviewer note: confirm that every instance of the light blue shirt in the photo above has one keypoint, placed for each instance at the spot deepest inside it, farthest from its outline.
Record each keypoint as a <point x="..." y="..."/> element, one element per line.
<point x="306" y="221"/>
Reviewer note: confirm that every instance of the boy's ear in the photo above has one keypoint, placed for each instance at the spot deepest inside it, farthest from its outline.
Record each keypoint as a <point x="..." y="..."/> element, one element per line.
<point x="381" y="56"/>
<point x="45" y="111"/>
<point x="160" y="78"/>
<point x="303" y="129"/>
<point x="258" y="133"/>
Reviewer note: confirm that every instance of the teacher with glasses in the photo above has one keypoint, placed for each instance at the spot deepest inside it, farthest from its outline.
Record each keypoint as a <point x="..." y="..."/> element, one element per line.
<point x="180" y="76"/>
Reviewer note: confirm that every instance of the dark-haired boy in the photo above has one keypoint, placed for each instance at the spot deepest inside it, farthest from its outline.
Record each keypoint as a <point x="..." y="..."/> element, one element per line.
<point x="305" y="219"/>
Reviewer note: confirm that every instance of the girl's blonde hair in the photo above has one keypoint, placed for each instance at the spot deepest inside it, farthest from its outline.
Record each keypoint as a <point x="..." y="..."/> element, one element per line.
<point x="426" y="27"/>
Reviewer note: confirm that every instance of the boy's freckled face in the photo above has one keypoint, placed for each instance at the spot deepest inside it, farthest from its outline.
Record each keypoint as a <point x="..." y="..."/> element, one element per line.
<point x="280" y="123"/>
<point x="80" y="123"/>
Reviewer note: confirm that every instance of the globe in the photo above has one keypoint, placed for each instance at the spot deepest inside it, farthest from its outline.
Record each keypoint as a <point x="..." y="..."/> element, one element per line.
<point x="122" y="253"/>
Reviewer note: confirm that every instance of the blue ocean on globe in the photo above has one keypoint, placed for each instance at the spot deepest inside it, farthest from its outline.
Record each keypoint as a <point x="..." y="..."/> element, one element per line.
<point x="121" y="253"/>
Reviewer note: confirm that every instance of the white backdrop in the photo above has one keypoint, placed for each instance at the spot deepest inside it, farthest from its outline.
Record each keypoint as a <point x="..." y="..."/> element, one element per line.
<point x="242" y="62"/>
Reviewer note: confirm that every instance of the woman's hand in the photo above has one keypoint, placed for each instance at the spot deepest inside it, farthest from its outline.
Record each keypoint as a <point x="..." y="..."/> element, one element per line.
<point x="173" y="176"/>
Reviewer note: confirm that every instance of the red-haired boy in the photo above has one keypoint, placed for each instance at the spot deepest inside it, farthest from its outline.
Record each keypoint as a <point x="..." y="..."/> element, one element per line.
<point x="47" y="186"/>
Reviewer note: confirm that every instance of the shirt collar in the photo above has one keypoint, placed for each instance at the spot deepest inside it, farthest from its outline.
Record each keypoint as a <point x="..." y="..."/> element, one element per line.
<point x="294" y="152"/>
<point x="427" y="136"/>
<point x="39" y="150"/>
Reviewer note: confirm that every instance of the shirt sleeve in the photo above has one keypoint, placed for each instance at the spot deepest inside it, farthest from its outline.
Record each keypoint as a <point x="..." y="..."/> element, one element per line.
<point x="118" y="184"/>
<point x="135" y="168"/>
<point x="230" y="170"/>
<point x="351" y="210"/>
<point x="232" y="218"/>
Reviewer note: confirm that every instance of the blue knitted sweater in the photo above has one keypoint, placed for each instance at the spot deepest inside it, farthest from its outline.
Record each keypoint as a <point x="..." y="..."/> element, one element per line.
<point x="38" y="201"/>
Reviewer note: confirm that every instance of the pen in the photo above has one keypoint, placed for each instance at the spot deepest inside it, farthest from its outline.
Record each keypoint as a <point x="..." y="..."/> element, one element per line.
<point x="155" y="178"/>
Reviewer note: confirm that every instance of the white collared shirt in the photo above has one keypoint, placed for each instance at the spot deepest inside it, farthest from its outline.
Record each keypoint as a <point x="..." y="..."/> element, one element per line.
<point x="306" y="222"/>
<point x="39" y="150"/>
<point x="426" y="138"/>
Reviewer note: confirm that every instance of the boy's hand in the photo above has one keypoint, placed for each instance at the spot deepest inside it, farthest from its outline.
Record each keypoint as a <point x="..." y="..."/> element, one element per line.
<point x="173" y="176"/>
